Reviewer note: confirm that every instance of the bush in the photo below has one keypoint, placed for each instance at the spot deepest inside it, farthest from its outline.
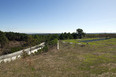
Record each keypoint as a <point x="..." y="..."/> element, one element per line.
<point x="52" y="42"/>
<point x="14" y="49"/>
<point x="45" y="48"/>
<point x="11" y="50"/>
<point x="24" y="54"/>
<point x="38" y="52"/>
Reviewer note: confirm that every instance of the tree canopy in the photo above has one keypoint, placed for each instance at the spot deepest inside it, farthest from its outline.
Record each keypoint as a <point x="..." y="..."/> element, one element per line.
<point x="3" y="39"/>
<point x="80" y="33"/>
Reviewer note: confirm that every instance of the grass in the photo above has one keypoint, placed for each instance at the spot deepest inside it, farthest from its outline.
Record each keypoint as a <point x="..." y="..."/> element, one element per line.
<point x="95" y="59"/>
<point x="77" y="40"/>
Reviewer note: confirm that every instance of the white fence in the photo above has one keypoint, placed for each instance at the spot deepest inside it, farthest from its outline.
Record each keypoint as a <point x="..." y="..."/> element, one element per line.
<point x="16" y="55"/>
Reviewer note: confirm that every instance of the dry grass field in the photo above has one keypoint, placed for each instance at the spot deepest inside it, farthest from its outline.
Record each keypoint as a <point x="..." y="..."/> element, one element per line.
<point x="95" y="59"/>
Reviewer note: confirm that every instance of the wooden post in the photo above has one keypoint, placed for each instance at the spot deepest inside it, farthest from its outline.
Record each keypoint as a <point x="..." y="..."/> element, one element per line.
<point x="58" y="44"/>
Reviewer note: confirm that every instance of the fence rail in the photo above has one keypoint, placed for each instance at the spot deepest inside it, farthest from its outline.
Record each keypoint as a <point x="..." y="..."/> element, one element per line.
<point x="16" y="55"/>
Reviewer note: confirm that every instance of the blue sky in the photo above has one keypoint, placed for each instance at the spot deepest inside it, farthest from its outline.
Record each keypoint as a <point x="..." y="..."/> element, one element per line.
<point x="57" y="16"/>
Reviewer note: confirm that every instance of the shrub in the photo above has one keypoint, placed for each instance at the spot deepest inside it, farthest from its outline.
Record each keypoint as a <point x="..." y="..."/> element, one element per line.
<point x="45" y="48"/>
<point x="24" y="54"/>
<point x="52" y="42"/>
<point x="14" y="49"/>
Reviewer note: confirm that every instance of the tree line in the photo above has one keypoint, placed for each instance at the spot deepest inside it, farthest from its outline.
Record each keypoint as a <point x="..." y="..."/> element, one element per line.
<point x="34" y="39"/>
<point x="28" y="39"/>
<point x="75" y="35"/>
<point x="100" y="35"/>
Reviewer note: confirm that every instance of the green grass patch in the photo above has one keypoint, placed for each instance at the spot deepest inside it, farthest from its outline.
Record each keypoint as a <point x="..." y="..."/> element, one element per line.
<point x="93" y="63"/>
<point x="102" y="42"/>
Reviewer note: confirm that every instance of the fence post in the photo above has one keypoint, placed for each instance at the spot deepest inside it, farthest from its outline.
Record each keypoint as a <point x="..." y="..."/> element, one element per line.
<point x="58" y="44"/>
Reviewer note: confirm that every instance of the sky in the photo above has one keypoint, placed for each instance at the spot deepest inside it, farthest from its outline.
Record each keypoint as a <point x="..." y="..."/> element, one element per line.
<point x="57" y="16"/>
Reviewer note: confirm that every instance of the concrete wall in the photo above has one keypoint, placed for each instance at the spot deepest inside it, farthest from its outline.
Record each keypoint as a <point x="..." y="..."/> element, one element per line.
<point x="16" y="55"/>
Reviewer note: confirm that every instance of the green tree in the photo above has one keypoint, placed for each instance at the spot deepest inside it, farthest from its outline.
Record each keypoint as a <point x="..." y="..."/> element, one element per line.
<point x="80" y="33"/>
<point x="69" y="35"/>
<point x="61" y="37"/>
<point x="3" y="39"/>
<point x="74" y="35"/>
<point x="30" y="41"/>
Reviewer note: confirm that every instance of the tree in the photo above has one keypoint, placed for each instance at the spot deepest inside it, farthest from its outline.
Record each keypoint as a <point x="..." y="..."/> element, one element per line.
<point x="30" y="41"/>
<point x="69" y="35"/>
<point x="80" y="33"/>
<point x="61" y="37"/>
<point x="74" y="35"/>
<point x="3" y="39"/>
<point x="16" y="36"/>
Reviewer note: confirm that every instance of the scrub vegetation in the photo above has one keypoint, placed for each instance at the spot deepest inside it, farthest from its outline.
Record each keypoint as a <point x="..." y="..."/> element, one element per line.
<point x="11" y="42"/>
<point x="95" y="59"/>
<point x="75" y="58"/>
